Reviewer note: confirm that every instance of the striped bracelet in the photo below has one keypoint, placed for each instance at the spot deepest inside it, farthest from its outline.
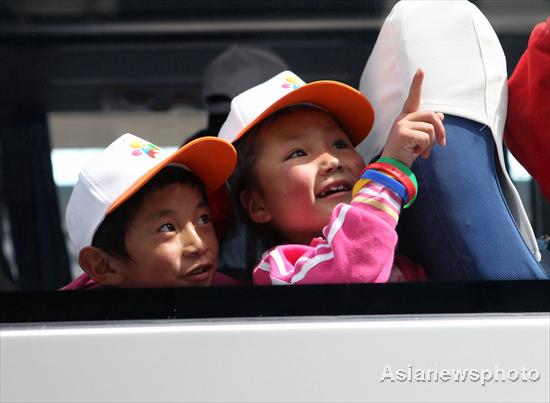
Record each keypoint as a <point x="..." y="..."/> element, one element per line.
<point x="398" y="175"/>
<point x="387" y="181"/>
<point x="407" y="171"/>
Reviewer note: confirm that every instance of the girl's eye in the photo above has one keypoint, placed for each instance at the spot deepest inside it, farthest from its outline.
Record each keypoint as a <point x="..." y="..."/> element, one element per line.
<point x="167" y="228"/>
<point x="204" y="219"/>
<point x="339" y="144"/>
<point x="295" y="154"/>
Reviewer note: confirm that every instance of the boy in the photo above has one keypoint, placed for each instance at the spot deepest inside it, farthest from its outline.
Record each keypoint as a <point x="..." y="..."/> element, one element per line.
<point x="139" y="218"/>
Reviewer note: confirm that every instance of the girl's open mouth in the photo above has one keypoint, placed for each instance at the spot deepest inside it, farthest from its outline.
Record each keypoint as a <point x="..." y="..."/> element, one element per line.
<point x="334" y="189"/>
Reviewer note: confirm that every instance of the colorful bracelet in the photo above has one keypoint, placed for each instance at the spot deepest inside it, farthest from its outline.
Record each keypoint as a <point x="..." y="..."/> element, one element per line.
<point x="401" y="166"/>
<point x="397" y="174"/>
<point x="406" y="170"/>
<point x="387" y="181"/>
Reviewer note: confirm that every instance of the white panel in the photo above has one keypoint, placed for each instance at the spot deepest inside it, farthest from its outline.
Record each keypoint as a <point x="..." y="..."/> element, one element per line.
<point x="312" y="359"/>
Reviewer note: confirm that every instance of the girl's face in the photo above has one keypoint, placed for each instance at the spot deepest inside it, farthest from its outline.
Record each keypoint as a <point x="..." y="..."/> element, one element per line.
<point x="306" y="165"/>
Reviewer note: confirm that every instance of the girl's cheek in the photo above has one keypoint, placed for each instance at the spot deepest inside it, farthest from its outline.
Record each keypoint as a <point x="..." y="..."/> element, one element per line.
<point x="302" y="183"/>
<point x="298" y="173"/>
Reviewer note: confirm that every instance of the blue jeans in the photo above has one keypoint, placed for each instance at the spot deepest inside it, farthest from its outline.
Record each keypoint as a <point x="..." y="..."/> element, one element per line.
<point x="460" y="227"/>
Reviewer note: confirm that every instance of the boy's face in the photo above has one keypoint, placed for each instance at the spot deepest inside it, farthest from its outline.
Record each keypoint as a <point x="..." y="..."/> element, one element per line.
<point x="171" y="241"/>
<point x="306" y="166"/>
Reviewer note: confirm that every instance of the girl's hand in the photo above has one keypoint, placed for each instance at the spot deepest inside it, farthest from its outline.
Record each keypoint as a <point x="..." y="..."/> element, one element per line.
<point x="413" y="132"/>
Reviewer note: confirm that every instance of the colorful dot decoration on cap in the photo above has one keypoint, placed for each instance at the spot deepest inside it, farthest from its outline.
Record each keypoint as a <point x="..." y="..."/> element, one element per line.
<point x="292" y="82"/>
<point x="144" y="148"/>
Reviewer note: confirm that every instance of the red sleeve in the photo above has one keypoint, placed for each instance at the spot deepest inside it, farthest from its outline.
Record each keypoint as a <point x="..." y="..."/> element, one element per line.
<point x="527" y="131"/>
<point x="221" y="212"/>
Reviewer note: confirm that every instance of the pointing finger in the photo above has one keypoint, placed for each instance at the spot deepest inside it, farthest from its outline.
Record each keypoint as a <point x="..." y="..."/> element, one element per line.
<point x="412" y="103"/>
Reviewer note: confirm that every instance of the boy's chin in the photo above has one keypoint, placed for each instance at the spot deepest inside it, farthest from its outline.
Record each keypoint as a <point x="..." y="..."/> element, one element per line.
<point x="206" y="282"/>
<point x="177" y="283"/>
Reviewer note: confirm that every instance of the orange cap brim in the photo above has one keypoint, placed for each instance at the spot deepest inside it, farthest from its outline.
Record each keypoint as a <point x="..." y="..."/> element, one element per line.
<point x="351" y="109"/>
<point x="210" y="158"/>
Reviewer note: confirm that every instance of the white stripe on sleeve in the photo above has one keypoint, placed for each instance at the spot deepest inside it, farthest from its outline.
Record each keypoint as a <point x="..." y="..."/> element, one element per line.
<point x="338" y="222"/>
<point x="372" y="193"/>
<point x="279" y="261"/>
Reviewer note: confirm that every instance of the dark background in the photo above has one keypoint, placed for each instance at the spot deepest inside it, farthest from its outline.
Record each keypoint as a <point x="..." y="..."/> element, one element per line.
<point x="73" y="54"/>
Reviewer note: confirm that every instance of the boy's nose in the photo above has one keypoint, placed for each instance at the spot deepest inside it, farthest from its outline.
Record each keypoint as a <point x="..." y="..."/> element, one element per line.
<point x="192" y="242"/>
<point x="329" y="163"/>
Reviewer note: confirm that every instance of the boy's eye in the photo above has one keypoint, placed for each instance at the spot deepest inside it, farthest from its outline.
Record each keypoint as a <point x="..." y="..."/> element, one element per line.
<point x="295" y="154"/>
<point x="167" y="228"/>
<point x="204" y="219"/>
<point x="338" y="144"/>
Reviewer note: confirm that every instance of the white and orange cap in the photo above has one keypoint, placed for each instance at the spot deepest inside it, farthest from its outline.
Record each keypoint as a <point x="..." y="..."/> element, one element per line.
<point x="349" y="107"/>
<point x="128" y="164"/>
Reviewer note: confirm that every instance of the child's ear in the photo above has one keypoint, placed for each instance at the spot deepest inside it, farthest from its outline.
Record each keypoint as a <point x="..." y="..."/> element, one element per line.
<point x="98" y="265"/>
<point x="253" y="204"/>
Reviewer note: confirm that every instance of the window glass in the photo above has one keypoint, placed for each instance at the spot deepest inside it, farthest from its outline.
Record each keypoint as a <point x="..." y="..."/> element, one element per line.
<point x="83" y="73"/>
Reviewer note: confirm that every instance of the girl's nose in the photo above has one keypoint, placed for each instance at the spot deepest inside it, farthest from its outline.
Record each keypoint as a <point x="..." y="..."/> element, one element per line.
<point x="193" y="244"/>
<point x="329" y="163"/>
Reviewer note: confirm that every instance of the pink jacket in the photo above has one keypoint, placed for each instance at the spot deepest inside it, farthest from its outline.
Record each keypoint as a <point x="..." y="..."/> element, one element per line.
<point x="357" y="246"/>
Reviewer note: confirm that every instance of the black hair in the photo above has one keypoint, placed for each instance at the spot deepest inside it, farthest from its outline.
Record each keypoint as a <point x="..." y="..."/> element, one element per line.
<point x="111" y="233"/>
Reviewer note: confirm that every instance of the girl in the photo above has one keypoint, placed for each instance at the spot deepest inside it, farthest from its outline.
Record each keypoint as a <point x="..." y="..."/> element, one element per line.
<point x="297" y="168"/>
